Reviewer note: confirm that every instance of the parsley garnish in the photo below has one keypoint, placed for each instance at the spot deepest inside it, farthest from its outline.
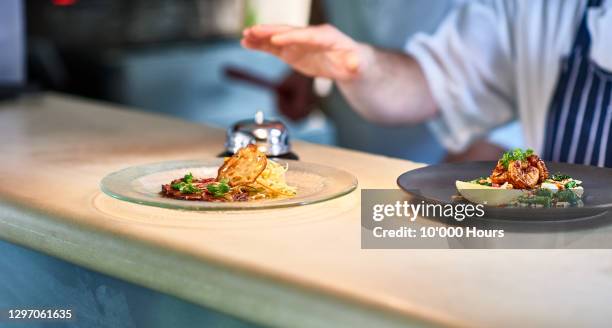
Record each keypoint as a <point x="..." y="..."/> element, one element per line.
<point x="188" y="178"/>
<point x="515" y="155"/>
<point x="560" y="176"/>
<point x="570" y="185"/>
<point x="218" y="189"/>
<point x="186" y="186"/>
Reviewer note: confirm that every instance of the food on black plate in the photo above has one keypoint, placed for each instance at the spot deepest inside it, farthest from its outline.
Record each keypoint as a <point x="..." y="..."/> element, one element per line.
<point x="521" y="178"/>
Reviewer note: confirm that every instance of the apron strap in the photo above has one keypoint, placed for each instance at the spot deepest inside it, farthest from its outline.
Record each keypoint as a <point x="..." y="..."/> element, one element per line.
<point x="582" y="43"/>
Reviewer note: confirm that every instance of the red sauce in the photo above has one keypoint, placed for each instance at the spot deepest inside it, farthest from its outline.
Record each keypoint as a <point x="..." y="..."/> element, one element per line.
<point x="204" y="195"/>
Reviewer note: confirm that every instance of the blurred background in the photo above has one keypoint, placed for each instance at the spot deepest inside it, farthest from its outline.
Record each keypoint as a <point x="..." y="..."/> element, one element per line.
<point x="183" y="58"/>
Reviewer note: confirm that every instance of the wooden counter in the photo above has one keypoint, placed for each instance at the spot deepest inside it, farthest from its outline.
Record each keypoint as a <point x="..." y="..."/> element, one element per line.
<point x="296" y="266"/>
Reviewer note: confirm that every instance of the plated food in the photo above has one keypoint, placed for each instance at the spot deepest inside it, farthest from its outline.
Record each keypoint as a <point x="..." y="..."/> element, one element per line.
<point x="437" y="184"/>
<point x="282" y="183"/>
<point x="522" y="179"/>
<point x="246" y="176"/>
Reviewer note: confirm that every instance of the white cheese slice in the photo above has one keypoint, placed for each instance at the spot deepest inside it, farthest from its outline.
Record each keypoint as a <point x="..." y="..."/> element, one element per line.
<point x="486" y="195"/>
<point x="550" y="186"/>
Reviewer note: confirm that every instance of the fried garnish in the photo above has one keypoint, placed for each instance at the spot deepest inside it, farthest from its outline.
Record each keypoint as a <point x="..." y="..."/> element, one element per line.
<point x="244" y="167"/>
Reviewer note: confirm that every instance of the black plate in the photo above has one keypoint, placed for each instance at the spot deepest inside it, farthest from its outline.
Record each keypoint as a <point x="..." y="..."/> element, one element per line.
<point x="436" y="184"/>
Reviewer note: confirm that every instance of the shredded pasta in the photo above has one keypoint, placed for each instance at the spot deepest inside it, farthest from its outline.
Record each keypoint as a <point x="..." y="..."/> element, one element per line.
<point x="270" y="183"/>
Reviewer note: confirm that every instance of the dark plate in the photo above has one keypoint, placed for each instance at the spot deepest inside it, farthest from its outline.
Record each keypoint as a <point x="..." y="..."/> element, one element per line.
<point x="436" y="184"/>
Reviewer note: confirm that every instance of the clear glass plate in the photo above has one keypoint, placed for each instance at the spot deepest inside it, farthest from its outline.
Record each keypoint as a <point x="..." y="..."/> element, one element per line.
<point x="142" y="185"/>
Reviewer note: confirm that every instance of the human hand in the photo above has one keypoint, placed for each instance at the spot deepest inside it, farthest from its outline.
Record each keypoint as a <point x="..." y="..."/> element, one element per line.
<point x="318" y="51"/>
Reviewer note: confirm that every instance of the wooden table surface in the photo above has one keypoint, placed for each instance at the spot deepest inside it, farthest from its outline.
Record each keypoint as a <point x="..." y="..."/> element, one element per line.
<point x="298" y="266"/>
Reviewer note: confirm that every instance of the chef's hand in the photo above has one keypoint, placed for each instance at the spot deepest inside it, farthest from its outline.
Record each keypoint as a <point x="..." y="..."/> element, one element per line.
<point x="381" y="85"/>
<point x="318" y="51"/>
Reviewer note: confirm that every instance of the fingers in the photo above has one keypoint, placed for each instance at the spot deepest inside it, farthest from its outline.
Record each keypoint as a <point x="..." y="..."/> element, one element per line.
<point x="323" y="36"/>
<point x="315" y="50"/>
<point x="265" y="31"/>
<point x="264" y="45"/>
<point x="258" y="37"/>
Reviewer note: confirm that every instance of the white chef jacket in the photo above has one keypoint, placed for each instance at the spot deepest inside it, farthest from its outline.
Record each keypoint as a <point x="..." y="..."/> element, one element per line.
<point x="492" y="61"/>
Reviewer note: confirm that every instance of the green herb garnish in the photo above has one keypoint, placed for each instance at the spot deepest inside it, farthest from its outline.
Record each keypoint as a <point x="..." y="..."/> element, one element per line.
<point x="567" y="196"/>
<point x="186" y="186"/>
<point x="560" y="176"/>
<point x="536" y="200"/>
<point x="218" y="189"/>
<point x="515" y="155"/>
<point x="544" y="192"/>
<point x="570" y="184"/>
<point x="482" y="181"/>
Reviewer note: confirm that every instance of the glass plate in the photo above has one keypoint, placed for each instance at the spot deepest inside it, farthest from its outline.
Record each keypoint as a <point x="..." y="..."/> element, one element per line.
<point x="142" y="185"/>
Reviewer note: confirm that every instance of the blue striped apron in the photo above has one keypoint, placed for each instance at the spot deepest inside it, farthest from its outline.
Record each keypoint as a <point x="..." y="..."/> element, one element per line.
<point x="580" y="114"/>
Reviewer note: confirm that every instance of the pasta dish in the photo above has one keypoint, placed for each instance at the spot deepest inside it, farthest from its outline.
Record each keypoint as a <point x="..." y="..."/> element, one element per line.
<point x="246" y="176"/>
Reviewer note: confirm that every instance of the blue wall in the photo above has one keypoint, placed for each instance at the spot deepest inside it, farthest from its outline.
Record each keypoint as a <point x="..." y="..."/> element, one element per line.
<point x="29" y="279"/>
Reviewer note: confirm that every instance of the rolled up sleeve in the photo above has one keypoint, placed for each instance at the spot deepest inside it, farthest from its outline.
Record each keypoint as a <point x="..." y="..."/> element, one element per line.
<point x="468" y="64"/>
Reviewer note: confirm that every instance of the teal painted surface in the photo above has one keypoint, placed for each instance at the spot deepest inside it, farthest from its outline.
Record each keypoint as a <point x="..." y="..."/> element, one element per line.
<point x="29" y="279"/>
